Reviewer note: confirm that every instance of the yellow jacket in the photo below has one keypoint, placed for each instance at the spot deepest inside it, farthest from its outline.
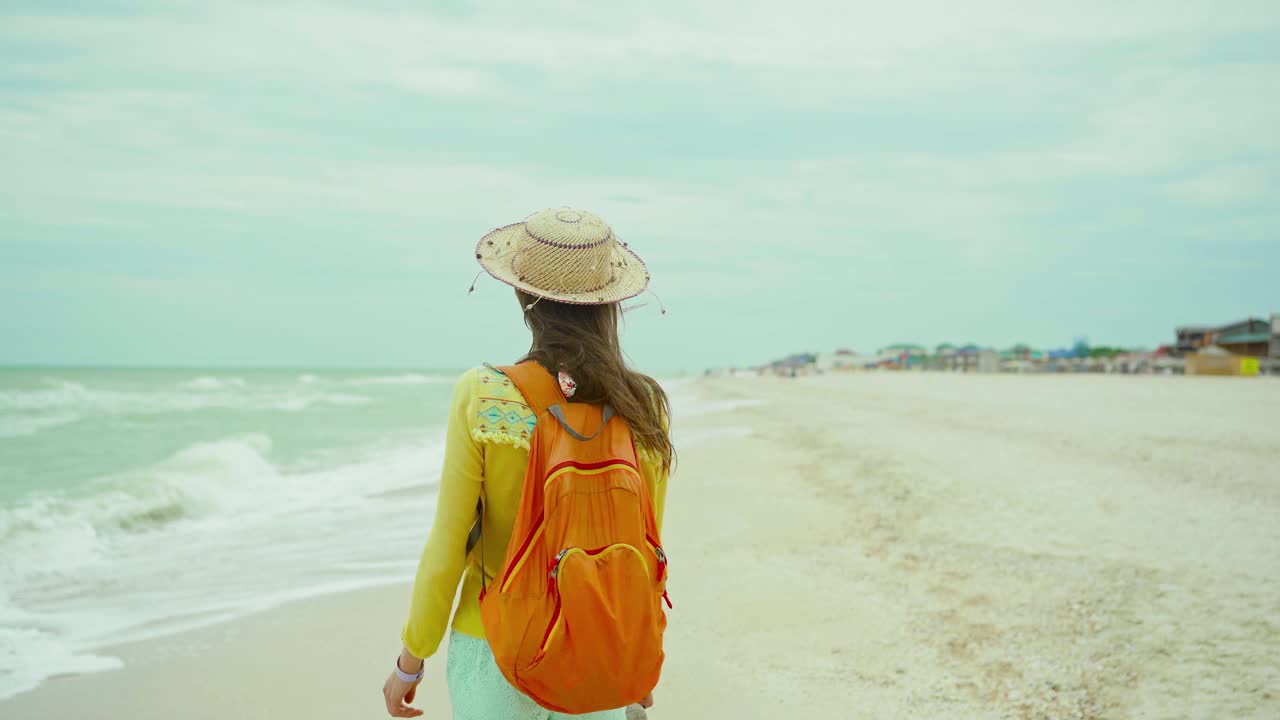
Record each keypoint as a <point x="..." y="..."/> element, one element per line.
<point x="486" y="450"/>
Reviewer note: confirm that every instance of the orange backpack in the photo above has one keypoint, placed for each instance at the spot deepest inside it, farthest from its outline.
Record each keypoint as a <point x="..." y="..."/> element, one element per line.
<point x="574" y="616"/>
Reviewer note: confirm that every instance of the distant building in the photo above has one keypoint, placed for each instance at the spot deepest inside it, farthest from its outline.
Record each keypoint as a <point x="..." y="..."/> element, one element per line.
<point x="1251" y="337"/>
<point x="902" y="356"/>
<point x="970" y="358"/>
<point x="793" y="365"/>
<point x="904" y="349"/>
<point x="841" y="360"/>
<point x="1239" y="348"/>
<point x="1190" y="339"/>
<point x="1275" y="337"/>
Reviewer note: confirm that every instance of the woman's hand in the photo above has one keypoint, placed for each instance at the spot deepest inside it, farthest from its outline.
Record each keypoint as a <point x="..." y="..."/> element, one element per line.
<point x="398" y="695"/>
<point x="647" y="701"/>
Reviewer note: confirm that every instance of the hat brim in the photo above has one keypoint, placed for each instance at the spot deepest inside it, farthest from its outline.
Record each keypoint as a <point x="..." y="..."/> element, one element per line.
<point x="496" y="253"/>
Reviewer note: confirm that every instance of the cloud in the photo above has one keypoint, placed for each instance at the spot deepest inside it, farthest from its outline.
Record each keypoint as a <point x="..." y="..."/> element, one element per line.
<point x="910" y="146"/>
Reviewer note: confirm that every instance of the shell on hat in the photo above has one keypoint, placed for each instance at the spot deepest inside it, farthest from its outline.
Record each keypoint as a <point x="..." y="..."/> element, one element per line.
<point x="564" y="254"/>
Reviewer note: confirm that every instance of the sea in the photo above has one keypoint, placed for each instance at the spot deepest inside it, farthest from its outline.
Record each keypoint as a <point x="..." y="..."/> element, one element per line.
<point x="136" y="503"/>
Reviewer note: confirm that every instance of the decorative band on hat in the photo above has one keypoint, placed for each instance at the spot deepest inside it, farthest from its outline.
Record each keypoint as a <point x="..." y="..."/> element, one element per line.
<point x="569" y="246"/>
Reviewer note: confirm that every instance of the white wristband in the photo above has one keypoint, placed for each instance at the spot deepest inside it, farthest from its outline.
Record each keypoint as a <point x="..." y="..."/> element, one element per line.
<point x="406" y="677"/>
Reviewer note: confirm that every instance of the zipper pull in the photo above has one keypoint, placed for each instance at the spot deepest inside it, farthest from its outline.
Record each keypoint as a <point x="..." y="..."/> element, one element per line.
<point x="555" y="569"/>
<point x="668" y="599"/>
<point x="662" y="562"/>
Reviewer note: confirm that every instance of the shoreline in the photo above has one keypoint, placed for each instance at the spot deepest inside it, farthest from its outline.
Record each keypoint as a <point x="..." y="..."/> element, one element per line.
<point x="343" y="640"/>
<point x="894" y="546"/>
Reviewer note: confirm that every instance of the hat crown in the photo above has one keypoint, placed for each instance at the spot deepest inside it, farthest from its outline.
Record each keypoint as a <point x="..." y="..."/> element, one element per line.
<point x="569" y="228"/>
<point x="566" y="250"/>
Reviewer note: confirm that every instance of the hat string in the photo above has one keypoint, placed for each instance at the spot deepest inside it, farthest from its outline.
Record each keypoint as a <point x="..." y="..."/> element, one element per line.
<point x="637" y="306"/>
<point x="660" y="305"/>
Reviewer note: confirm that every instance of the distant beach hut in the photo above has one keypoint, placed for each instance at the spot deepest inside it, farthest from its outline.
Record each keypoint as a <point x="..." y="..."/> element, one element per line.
<point x="1217" y="360"/>
<point x="901" y="356"/>
<point x="966" y="358"/>
<point x="794" y="365"/>
<point x="986" y="361"/>
<point x="842" y="360"/>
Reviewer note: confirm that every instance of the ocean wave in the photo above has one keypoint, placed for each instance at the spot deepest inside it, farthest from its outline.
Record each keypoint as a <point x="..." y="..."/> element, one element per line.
<point x="222" y="476"/>
<point x="219" y="481"/>
<point x="63" y="395"/>
<point x="56" y="394"/>
<point x="18" y="425"/>
<point x="67" y="398"/>
<point x="294" y="404"/>
<point x="402" y="379"/>
<point x="213" y="531"/>
<point x="206" y="382"/>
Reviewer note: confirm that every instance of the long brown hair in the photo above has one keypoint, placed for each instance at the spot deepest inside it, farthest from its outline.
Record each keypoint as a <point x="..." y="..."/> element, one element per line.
<point x="582" y="340"/>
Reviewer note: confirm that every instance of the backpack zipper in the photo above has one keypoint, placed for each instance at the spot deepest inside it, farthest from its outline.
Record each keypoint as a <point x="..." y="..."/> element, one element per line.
<point x="662" y="567"/>
<point x="555" y="565"/>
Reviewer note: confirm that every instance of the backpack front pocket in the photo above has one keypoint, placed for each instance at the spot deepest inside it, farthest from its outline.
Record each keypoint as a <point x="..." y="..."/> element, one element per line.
<point x="606" y="627"/>
<point x="591" y="588"/>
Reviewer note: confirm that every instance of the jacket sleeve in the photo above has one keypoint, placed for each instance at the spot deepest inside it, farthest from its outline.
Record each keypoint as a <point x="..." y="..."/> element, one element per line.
<point x="444" y="556"/>
<point x="656" y="478"/>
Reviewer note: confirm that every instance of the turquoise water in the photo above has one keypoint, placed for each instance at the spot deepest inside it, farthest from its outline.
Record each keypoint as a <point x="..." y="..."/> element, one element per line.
<point x="62" y="427"/>
<point x="136" y="503"/>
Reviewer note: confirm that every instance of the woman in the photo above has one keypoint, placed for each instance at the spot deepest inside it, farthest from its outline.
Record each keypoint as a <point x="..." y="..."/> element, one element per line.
<point x="570" y="274"/>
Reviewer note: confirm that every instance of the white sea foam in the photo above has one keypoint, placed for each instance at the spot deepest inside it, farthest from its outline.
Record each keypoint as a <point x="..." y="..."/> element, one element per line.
<point x="686" y="402"/>
<point x="29" y="653"/>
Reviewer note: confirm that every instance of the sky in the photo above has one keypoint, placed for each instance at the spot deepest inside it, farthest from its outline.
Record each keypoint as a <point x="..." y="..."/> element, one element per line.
<point x="247" y="183"/>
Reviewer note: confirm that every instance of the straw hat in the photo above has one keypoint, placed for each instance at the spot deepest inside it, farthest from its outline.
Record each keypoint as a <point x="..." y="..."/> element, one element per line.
<point x="566" y="255"/>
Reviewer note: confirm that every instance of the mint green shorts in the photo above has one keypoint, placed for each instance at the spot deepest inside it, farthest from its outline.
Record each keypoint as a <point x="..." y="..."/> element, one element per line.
<point x="478" y="691"/>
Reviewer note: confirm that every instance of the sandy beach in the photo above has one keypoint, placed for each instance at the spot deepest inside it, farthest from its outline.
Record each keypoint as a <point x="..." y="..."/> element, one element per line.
<point x="876" y="545"/>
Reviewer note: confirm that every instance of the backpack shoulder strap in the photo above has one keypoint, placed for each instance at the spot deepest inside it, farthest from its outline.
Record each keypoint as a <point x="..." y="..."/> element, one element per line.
<point x="541" y="391"/>
<point x="536" y="384"/>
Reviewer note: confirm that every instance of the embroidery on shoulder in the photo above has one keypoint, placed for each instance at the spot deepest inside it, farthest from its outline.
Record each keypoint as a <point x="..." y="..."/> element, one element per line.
<point x="502" y="417"/>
